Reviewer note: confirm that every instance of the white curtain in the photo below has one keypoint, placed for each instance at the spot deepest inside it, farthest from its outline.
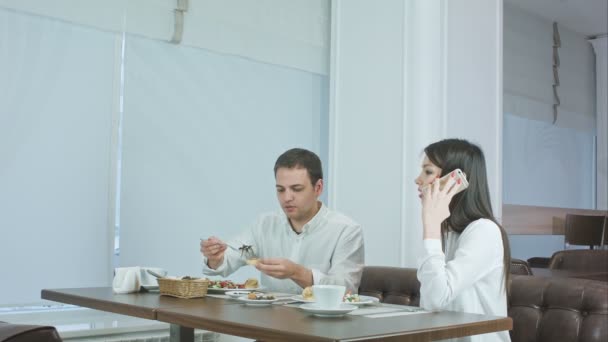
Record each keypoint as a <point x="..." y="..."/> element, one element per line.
<point x="55" y="125"/>
<point x="528" y="72"/>
<point x="201" y="134"/>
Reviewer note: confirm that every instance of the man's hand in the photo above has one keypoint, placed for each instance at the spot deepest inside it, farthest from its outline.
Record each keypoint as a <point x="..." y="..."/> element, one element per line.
<point x="213" y="249"/>
<point x="284" y="268"/>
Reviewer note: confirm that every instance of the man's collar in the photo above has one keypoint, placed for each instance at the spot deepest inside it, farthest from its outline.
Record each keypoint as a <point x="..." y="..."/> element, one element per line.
<point x="313" y="223"/>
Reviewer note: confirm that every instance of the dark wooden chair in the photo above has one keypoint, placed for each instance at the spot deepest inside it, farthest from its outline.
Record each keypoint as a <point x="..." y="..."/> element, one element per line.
<point x="580" y="230"/>
<point x="585" y="230"/>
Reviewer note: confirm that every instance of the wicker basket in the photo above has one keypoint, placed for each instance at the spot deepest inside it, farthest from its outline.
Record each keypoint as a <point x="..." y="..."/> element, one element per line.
<point x="183" y="288"/>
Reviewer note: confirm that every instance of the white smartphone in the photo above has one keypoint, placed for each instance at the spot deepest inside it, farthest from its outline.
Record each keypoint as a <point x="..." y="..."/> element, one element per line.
<point x="458" y="175"/>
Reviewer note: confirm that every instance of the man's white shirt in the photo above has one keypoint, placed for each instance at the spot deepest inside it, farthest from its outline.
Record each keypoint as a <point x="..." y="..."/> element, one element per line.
<point x="330" y="244"/>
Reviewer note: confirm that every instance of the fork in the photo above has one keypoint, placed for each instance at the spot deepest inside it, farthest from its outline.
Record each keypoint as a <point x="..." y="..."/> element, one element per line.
<point x="227" y="245"/>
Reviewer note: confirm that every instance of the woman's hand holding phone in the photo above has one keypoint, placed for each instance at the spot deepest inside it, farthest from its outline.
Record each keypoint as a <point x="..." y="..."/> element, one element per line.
<point x="435" y="203"/>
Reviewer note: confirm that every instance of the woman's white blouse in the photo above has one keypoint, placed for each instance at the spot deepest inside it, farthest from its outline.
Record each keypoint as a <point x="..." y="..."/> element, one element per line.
<point x="468" y="277"/>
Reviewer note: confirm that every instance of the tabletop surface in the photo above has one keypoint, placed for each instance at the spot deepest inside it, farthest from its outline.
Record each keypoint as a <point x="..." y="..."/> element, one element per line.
<point x="279" y="322"/>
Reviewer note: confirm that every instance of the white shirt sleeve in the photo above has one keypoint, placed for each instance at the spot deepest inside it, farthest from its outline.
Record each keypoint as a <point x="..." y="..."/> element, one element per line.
<point x="347" y="261"/>
<point x="479" y="251"/>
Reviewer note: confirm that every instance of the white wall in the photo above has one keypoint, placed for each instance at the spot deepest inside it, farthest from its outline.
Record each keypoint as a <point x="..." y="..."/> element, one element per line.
<point x="433" y="70"/>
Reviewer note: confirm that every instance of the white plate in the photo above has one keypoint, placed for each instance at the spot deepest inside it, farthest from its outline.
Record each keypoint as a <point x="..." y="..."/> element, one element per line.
<point x="237" y="294"/>
<point x="216" y="290"/>
<point x="363" y="300"/>
<point x="256" y="302"/>
<point x="321" y="312"/>
<point x="150" y="287"/>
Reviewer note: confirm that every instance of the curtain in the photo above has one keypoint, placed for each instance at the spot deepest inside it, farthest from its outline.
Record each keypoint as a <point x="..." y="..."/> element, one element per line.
<point x="201" y="133"/>
<point x="55" y="127"/>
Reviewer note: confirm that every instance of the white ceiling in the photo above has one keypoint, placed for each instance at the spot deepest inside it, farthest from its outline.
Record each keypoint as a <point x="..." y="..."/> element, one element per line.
<point x="587" y="17"/>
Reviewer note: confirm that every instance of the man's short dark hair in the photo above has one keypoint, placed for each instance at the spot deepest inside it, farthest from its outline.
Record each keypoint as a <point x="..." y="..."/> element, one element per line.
<point x="301" y="158"/>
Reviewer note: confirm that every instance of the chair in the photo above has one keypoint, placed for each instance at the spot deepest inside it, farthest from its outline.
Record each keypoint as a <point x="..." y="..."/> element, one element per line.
<point x="582" y="230"/>
<point x="27" y="333"/>
<point x="394" y="285"/>
<point x="519" y="266"/>
<point x="539" y="262"/>
<point x="580" y="260"/>
<point x="585" y="230"/>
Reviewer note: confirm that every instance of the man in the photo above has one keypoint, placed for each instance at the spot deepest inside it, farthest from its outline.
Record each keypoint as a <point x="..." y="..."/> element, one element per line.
<point x="304" y="245"/>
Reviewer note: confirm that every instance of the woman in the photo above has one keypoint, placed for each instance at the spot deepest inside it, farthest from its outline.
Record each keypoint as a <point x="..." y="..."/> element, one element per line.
<point x="465" y="261"/>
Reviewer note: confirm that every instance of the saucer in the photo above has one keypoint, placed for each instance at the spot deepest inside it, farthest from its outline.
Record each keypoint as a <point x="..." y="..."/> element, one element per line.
<point x="327" y="312"/>
<point x="363" y="300"/>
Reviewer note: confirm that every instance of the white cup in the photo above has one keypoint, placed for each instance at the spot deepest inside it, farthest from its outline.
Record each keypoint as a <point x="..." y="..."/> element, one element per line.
<point x="148" y="279"/>
<point x="328" y="296"/>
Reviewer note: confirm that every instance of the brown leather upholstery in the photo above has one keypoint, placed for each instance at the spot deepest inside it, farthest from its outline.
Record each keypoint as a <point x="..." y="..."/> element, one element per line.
<point x="580" y="260"/>
<point x="519" y="266"/>
<point x="27" y="333"/>
<point x="584" y="230"/>
<point x="540" y="262"/>
<point x="394" y="285"/>
<point x="542" y="309"/>
<point x="558" y="309"/>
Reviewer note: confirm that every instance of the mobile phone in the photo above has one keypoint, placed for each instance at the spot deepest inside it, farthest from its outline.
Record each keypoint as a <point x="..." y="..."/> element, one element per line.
<point x="458" y="174"/>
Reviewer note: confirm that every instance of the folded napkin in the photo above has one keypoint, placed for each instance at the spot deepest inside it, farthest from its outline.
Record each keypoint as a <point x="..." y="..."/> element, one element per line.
<point x="131" y="279"/>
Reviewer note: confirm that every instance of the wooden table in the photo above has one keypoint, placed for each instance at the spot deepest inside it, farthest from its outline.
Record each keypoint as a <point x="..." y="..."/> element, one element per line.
<point x="557" y="273"/>
<point x="277" y="322"/>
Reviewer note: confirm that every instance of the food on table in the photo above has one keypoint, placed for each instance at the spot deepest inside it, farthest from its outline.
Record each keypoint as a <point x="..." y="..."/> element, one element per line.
<point x="252" y="261"/>
<point x="259" y="296"/>
<point x="351" y="298"/>
<point x="251" y="283"/>
<point x="307" y="293"/>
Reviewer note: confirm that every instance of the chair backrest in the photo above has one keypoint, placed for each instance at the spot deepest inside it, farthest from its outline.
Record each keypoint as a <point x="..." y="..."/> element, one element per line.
<point x="558" y="309"/>
<point x="542" y="309"/>
<point x="584" y="230"/>
<point x="580" y="260"/>
<point x="394" y="285"/>
<point x="27" y="333"/>
<point x="519" y="266"/>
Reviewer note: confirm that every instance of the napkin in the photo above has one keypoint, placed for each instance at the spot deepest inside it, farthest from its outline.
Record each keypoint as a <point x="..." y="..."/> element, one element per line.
<point x="130" y="279"/>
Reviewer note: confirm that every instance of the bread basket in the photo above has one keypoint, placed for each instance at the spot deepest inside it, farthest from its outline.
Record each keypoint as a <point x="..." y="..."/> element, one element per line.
<point x="183" y="288"/>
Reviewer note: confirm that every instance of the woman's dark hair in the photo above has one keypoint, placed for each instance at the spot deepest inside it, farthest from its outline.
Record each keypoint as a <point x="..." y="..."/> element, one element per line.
<point x="473" y="203"/>
<point x="301" y="158"/>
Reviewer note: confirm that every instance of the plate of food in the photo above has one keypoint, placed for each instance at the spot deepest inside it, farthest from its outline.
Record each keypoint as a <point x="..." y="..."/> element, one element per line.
<point x="226" y="285"/>
<point x="305" y="297"/>
<point x="237" y="294"/>
<point x="349" y="298"/>
<point x="355" y="299"/>
<point x="258" y="299"/>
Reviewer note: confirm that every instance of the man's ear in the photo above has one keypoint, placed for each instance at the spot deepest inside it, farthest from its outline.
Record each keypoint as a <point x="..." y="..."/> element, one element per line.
<point x="319" y="187"/>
